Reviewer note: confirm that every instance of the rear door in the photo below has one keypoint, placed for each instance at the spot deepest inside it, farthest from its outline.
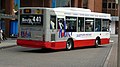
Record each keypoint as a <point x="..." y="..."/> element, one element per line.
<point x="53" y="29"/>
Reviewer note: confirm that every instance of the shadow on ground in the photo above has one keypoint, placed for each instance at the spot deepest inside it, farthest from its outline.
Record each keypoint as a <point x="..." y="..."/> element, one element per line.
<point x="53" y="51"/>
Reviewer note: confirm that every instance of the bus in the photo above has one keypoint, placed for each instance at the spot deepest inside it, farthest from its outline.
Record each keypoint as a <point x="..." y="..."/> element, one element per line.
<point x="62" y="28"/>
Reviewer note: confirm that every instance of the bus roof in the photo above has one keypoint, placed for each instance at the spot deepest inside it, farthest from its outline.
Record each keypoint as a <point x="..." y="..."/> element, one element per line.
<point x="60" y="8"/>
<point x="74" y="11"/>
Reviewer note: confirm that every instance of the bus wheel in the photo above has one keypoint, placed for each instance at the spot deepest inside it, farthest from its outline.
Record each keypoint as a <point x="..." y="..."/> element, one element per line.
<point x="96" y="42"/>
<point x="69" y="44"/>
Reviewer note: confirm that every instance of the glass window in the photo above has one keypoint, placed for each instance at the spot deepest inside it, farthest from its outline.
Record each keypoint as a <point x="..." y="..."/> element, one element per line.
<point x="63" y="3"/>
<point x="113" y="5"/>
<point x="105" y="25"/>
<point x="89" y="25"/>
<point x="81" y="24"/>
<point x="0" y="4"/>
<point x="2" y="24"/>
<point x="53" y="22"/>
<point x="104" y="5"/>
<point x="85" y="3"/>
<point x="109" y="5"/>
<point x="97" y="25"/>
<point x="71" y="24"/>
<point x="60" y="23"/>
<point x="25" y="3"/>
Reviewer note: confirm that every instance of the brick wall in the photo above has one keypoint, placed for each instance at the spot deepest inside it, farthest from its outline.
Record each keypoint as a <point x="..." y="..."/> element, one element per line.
<point x="95" y="5"/>
<point x="35" y="3"/>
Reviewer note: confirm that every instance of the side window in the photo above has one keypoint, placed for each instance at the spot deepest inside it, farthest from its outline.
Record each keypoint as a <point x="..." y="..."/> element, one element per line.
<point x="52" y="22"/>
<point x="71" y="24"/>
<point x="89" y="25"/>
<point x="97" y="25"/>
<point x="60" y="23"/>
<point x="105" y="25"/>
<point x="81" y="24"/>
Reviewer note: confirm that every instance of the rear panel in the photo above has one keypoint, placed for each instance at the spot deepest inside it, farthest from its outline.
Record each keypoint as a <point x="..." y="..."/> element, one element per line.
<point x="31" y="24"/>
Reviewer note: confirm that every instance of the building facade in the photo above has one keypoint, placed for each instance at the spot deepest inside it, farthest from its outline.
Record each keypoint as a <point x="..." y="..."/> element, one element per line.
<point x="111" y="7"/>
<point x="113" y="10"/>
<point x="6" y="7"/>
<point x="105" y="6"/>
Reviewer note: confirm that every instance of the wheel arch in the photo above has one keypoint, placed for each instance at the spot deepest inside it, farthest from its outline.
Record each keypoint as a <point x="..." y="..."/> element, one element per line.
<point x="72" y="42"/>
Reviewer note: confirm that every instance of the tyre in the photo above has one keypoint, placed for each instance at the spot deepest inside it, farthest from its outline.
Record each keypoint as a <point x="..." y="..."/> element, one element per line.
<point x="69" y="44"/>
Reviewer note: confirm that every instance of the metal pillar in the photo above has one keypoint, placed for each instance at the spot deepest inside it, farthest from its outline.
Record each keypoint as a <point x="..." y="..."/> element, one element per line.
<point x="118" y="56"/>
<point x="18" y="4"/>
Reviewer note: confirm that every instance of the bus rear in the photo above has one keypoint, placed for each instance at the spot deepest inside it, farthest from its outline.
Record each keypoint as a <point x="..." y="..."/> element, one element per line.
<point x="31" y="29"/>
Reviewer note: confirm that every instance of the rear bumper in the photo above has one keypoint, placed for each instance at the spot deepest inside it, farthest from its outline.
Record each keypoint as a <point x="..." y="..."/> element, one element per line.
<point x="33" y="43"/>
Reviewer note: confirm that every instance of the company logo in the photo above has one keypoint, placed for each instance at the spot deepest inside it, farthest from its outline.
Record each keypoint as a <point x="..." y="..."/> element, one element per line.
<point x="25" y="34"/>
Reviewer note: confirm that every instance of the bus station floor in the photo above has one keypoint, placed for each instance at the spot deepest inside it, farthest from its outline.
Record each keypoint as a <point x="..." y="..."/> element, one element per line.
<point x="10" y="42"/>
<point x="111" y="60"/>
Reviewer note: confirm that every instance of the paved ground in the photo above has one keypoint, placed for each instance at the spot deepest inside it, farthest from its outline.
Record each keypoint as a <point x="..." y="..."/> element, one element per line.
<point x="104" y="56"/>
<point x="8" y="43"/>
<point x="111" y="60"/>
<point x="27" y="57"/>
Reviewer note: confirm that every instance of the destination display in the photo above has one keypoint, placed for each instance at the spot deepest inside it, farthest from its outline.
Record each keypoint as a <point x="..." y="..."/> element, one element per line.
<point x="31" y="19"/>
